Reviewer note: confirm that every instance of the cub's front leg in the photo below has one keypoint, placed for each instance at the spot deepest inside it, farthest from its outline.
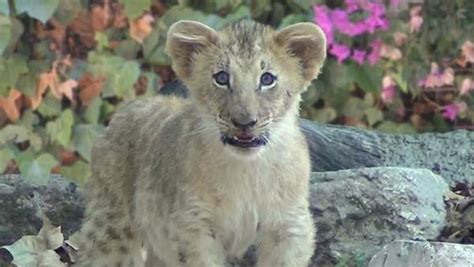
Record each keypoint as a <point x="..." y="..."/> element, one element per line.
<point x="183" y="237"/>
<point x="289" y="240"/>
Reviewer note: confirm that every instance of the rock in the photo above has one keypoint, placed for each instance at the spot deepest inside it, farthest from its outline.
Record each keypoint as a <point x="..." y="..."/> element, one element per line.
<point x="358" y="211"/>
<point x="402" y="253"/>
<point x="335" y="147"/>
<point x="22" y="205"/>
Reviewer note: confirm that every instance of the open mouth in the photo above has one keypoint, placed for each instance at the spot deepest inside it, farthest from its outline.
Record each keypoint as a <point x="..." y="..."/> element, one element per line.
<point x="245" y="141"/>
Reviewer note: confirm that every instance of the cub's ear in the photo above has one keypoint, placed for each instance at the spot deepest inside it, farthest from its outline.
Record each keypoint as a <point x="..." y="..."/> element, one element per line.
<point x="186" y="38"/>
<point x="307" y="42"/>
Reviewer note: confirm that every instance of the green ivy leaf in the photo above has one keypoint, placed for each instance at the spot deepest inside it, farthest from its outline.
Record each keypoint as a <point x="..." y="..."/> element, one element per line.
<point x="6" y="154"/>
<point x="38" y="9"/>
<point x="10" y="69"/>
<point x="154" y="49"/>
<point x="102" y="41"/>
<point x="121" y="74"/>
<point x="355" y="108"/>
<point x="92" y="113"/>
<point x="36" y="170"/>
<point x="368" y="78"/>
<point x="84" y="138"/>
<point x="292" y="19"/>
<point x="374" y="115"/>
<point x="79" y="172"/>
<point x="5" y="32"/>
<point x="60" y="130"/>
<point x="50" y="106"/>
<point x="135" y="8"/>
<point x="18" y="134"/>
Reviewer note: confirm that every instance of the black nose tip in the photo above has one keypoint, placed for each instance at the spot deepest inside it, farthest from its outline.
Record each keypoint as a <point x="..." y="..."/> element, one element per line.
<point x="244" y="125"/>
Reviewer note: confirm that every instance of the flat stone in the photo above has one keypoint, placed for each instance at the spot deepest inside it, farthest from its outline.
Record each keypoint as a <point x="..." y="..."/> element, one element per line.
<point x="359" y="211"/>
<point x="403" y="253"/>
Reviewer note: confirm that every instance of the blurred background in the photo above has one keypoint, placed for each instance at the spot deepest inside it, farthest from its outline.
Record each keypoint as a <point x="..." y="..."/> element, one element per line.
<point x="395" y="66"/>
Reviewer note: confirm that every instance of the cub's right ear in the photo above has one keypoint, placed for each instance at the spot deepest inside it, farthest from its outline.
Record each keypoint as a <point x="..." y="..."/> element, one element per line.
<point x="185" y="38"/>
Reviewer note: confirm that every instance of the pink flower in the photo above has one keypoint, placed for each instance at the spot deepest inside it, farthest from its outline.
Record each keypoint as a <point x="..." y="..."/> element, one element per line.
<point x="415" y="19"/>
<point x="376" y="17"/>
<point x="359" y="56"/>
<point x="437" y="78"/>
<point x="352" y="5"/>
<point x="388" y="89"/>
<point x="450" y="111"/>
<point x="400" y="38"/>
<point x="340" y="51"/>
<point x="394" y="3"/>
<point x="468" y="51"/>
<point x="374" y="55"/>
<point x="321" y="17"/>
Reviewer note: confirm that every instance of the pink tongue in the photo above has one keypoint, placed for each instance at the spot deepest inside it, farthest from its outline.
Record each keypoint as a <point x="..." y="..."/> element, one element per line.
<point x="244" y="137"/>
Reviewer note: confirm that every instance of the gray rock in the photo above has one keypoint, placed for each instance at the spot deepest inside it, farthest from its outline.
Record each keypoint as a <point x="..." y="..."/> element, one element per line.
<point x="22" y="205"/>
<point x="403" y="253"/>
<point x="335" y="147"/>
<point x="359" y="211"/>
<point x="356" y="211"/>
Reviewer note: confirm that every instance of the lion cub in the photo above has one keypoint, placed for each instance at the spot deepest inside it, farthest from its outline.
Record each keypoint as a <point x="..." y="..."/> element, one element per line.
<point x="195" y="182"/>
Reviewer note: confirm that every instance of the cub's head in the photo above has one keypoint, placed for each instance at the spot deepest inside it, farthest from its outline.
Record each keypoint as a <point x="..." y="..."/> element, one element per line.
<point x="246" y="79"/>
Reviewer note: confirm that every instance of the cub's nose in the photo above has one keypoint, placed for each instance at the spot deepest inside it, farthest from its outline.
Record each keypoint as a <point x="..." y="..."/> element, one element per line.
<point x="244" y="125"/>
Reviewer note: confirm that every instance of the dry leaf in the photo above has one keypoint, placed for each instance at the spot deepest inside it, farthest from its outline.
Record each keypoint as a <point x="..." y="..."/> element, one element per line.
<point x="101" y="17"/>
<point x="90" y="88"/>
<point x="9" y="105"/>
<point x="468" y="51"/>
<point x="82" y="26"/>
<point x="141" y="27"/>
<point x="64" y="89"/>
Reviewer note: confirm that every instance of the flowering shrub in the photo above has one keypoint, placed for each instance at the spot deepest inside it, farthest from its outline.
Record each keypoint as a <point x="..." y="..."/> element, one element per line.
<point x="67" y="65"/>
<point x="389" y="69"/>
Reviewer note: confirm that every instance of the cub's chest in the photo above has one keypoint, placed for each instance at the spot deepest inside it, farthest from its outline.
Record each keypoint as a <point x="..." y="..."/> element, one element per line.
<point x="235" y="223"/>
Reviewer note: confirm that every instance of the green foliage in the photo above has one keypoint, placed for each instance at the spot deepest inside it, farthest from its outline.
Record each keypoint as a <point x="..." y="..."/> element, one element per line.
<point x="67" y="65"/>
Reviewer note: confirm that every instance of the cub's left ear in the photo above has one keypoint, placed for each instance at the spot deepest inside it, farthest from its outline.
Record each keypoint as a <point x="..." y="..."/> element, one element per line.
<point x="307" y="42"/>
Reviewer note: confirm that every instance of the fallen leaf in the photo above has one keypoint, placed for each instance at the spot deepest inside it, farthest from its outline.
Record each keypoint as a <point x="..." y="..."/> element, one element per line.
<point x="90" y="88"/>
<point x="65" y="89"/>
<point x="101" y="17"/>
<point x="140" y="28"/>
<point x="9" y="105"/>
<point x="82" y="26"/>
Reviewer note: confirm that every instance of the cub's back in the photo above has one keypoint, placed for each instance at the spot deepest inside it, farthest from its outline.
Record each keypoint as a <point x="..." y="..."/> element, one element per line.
<point x="118" y="150"/>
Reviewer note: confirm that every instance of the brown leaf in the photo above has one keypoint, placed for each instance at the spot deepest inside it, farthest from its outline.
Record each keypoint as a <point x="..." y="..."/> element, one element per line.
<point x="67" y="157"/>
<point x="82" y="26"/>
<point x="141" y="27"/>
<point x="90" y="88"/>
<point x="9" y="105"/>
<point x="101" y="17"/>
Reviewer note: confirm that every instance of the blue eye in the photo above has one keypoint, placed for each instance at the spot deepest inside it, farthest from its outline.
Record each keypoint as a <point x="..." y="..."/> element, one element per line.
<point x="267" y="79"/>
<point x="221" y="78"/>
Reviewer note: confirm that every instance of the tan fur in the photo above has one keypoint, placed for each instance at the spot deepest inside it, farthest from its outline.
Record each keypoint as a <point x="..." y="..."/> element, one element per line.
<point x="164" y="182"/>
